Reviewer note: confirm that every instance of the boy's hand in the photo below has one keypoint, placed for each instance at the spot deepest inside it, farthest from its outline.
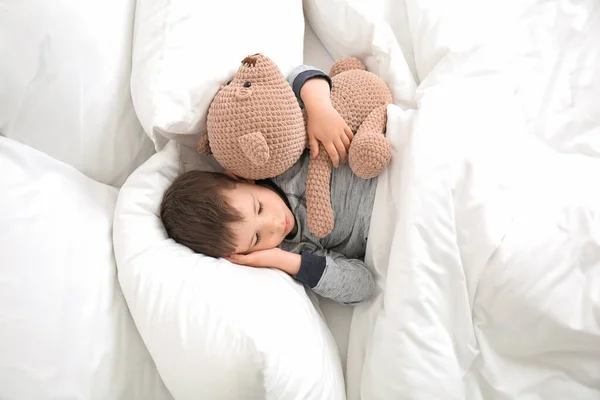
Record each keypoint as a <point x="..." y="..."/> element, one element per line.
<point x="271" y="258"/>
<point x="325" y="124"/>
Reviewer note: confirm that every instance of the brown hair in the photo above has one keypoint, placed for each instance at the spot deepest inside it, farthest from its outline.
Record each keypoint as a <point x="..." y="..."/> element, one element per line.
<point x="196" y="215"/>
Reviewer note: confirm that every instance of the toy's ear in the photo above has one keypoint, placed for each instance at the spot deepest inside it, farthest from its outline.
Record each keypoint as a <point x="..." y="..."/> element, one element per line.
<point x="255" y="148"/>
<point x="204" y="146"/>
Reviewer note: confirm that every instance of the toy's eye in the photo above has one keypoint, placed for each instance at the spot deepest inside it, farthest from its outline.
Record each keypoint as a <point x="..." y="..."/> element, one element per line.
<point x="247" y="84"/>
<point x="228" y="83"/>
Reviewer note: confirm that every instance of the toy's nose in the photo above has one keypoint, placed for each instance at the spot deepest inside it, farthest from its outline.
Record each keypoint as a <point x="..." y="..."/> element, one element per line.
<point x="243" y="92"/>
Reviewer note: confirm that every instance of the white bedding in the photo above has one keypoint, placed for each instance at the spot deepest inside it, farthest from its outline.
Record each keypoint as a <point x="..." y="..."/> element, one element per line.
<point x="215" y="330"/>
<point x="485" y="235"/>
<point x="64" y="84"/>
<point x="65" y="329"/>
<point x="486" y="231"/>
<point x="490" y="266"/>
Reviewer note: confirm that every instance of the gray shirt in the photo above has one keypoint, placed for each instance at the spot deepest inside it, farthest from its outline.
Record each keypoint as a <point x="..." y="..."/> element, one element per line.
<point x="332" y="266"/>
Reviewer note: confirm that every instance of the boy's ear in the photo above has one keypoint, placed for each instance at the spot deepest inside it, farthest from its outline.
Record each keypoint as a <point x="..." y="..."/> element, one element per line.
<point x="237" y="178"/>
<point x="232" y="175"/>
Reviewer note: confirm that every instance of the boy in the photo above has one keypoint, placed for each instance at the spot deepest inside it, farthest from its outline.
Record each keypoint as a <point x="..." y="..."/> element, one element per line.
<point x="263" y="223"/>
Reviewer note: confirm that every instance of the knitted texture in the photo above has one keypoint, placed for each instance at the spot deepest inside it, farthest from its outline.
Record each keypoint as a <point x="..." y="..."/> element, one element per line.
<point x="256" y="129"/>
<point x="255" y="125"/>
<point x="356" y="93"/>
<point x="346" y="64"/>
<point x="370" y="152"/>
<point x="319" y="213"/>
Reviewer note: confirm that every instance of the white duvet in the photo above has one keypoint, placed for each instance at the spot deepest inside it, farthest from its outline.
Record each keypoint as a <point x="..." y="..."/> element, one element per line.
<point x="488" y="249"/>
<point x="485" y="235"/>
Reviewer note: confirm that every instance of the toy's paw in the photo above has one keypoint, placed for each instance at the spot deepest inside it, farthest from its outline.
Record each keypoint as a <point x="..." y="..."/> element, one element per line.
<point x="369" y="155"/>
<point x="321" y="226"/>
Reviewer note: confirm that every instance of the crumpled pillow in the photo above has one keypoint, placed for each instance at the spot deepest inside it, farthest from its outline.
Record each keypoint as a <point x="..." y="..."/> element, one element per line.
<point x="65" y="330"/>
<point x="183" y="51"/>
<point x="214" y="329"/>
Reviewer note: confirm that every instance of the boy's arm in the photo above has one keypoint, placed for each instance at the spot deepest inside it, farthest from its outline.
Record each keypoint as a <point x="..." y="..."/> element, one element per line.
<point x="329" y="274"/>
<point x="325" y="125"/>
<point x="303" y="73"/>
<point x="334" y="276"/>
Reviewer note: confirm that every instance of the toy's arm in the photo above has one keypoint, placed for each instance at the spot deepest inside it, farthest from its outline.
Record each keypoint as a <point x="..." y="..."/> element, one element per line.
<point x="319" y="214"/>
<point x="320" y="218"/>
<point x="370" y="151"/>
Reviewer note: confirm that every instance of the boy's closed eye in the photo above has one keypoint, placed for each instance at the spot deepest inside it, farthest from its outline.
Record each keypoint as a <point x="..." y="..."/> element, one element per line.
<point x="260" y="208"/>
<point x="257" y="235"/>
<point x="256" y="240"/>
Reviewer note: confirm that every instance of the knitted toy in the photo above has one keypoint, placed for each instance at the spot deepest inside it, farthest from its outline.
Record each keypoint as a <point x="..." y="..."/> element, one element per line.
<point x="256" y="129"/>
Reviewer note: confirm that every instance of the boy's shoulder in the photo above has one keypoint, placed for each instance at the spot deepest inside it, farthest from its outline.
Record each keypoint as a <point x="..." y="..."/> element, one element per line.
<point x="295" y="177"/>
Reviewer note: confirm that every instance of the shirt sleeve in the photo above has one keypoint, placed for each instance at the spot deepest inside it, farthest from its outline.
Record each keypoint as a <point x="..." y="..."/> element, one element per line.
<point x="302" y="73"/>
<point x="332" y="275"/>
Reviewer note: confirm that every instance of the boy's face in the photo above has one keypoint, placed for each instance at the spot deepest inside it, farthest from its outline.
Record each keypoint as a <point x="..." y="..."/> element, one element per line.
<point x="267" y="219"/>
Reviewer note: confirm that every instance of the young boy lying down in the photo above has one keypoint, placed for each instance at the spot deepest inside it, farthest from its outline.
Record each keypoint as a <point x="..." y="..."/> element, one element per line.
<point x="264" y="224"/>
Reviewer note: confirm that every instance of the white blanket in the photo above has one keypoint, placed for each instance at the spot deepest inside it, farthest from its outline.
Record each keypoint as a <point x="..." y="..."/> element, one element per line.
<point x="487" y="245"/>
<point x="485" y="235"/>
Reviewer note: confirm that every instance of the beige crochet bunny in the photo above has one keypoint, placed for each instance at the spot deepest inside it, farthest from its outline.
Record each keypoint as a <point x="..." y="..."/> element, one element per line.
<point x="256" y="129"/>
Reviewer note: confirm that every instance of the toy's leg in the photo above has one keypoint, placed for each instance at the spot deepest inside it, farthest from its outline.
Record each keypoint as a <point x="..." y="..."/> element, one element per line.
<point x="370" y="151"/>
<point x="318" y="195"/>
<point x="346" y="64"/>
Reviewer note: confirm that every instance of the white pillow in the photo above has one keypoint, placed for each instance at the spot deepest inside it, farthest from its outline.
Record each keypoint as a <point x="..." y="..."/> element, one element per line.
<point x="216" y="330"/>
<point x="185" y="50"/>
<point x="65" y="330"/>
<point x="64" y="84"/>
<point x="364" y="30"/>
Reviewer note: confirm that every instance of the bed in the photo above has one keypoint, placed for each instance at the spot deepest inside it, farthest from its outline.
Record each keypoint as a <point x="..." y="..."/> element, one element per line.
<point x="485" y="237"/>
